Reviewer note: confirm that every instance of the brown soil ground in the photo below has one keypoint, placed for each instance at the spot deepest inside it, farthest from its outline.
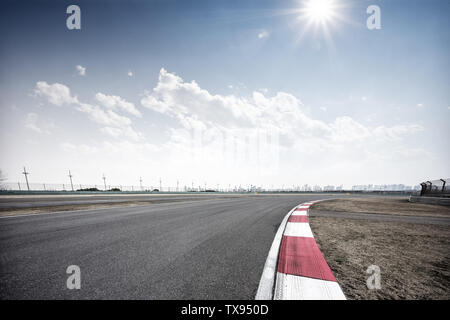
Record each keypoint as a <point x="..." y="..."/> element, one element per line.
<point x="397" y="206"/>
<point x="414" y="258"/>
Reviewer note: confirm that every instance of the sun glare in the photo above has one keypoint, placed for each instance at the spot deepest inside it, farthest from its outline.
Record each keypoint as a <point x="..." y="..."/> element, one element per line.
<point x="319" y="10"/>
<point x="320" y="18"/>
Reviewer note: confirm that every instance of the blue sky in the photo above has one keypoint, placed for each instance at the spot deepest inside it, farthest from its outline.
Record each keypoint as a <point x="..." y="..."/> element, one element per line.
<point x="356" y="106"/>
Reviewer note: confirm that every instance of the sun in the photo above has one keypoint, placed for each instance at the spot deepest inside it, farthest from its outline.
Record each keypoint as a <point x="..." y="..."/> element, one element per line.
<point x="320" y="18"/>
<point x="319" y="10"/>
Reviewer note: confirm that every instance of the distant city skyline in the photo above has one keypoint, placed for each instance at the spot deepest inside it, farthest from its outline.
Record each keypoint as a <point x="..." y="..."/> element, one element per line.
<point x="197" y="187"/>
<point x="230" y="93"/>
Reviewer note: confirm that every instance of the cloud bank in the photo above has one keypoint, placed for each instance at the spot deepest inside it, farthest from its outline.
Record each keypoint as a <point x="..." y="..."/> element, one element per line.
<point x="258" y="138"/>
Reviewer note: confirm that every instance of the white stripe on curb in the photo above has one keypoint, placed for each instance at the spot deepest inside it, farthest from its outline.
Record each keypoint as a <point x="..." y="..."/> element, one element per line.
<point x="296" y="229"/>
<point x="266" y="284"/>
<point x="291" y="287"/>
<point x="300" y="213"/>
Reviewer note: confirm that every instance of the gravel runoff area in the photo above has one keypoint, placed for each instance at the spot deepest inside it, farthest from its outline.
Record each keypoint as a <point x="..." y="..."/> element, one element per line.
<point x="26" y="205"/>
<point x="414" y="257"/>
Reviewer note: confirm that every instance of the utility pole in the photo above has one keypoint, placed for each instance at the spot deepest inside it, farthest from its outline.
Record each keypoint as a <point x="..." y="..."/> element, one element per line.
<point x="160" y="185"/>
<point x="140" y="181"/>
<point x="70" y="176"/>
<point x="104" y="181"/>
<point x="177" y="184"/>
<point x="25" y="173"/>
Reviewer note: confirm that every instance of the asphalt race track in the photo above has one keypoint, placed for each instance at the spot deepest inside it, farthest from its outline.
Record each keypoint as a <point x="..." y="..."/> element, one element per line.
<point x="210" y="249"/>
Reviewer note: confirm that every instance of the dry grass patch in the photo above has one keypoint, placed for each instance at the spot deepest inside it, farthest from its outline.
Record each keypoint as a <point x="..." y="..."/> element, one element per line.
<point x="414" y="258"/>
<point x="385" y="205"/>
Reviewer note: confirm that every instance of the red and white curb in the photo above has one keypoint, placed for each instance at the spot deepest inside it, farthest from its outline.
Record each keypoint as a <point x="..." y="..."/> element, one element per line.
<point x="295" y="268"/>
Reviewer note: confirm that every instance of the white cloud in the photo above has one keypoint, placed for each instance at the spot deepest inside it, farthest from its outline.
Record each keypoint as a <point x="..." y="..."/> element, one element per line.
<point x="308" y="140"/>
<point x="263" y="34"/>
<point x="396" y="132"/>
<point x="193" y="107"/>
<point x="196" y="129"/>
<point x="57" y="94"/>
<point x="79" y="149"/>
<point x="117" y="126"/>
<point x="31" y="122"/>
<point x="190" y="104"/>
<point x="81" y="70"/>
<point x="345" y="129"/>
<point x="116" y="102"/>
<point x="35" y="123"/>
<point x="104" y="117"/>
<point x="121" y="132"/>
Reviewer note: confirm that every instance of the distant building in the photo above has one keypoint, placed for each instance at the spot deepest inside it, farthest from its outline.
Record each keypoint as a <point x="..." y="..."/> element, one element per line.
<point x="385" y="187"/>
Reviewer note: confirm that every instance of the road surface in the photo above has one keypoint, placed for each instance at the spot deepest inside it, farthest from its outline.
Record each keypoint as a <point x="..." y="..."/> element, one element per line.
<point x="211" y="249"/>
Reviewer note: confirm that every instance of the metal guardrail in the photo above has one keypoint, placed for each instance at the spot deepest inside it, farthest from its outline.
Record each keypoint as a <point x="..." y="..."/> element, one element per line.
<point x="436" y="188"/>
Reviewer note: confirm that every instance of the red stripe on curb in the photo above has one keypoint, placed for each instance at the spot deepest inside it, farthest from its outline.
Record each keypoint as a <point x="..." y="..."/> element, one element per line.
<point x="302" y="257"/>
<point x="298" y="219"/>
<point x="301" y="209"/>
